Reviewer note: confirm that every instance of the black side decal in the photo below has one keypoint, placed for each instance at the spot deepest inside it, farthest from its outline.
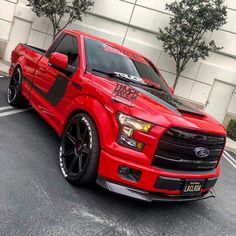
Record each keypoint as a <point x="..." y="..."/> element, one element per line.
<point x="57" y="91"/>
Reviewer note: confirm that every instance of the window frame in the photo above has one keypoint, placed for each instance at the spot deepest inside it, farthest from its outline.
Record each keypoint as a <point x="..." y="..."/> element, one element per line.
<point x="57" y="42"/>
<point x="149" y="63"/>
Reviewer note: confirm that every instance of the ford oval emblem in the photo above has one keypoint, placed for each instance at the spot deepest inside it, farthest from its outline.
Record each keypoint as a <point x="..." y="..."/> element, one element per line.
<point x="201" y="152"/>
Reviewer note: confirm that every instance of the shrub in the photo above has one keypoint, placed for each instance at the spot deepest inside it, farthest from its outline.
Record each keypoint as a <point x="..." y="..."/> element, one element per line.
<point x="231" y="129"/>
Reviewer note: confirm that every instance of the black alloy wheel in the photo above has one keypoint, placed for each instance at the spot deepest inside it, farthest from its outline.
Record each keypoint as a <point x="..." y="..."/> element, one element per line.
<point x="14" y="86"/>
<point x="79" y="150"/>
<point x="14" y="92"/>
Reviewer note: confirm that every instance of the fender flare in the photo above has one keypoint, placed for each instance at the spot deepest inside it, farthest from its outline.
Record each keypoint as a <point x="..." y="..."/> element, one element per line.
<point x="21" y="63"/>
<point x="101" y="117"/>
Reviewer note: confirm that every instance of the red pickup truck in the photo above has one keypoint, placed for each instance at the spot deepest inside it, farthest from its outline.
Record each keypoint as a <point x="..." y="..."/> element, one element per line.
<point x="119" y="122"/>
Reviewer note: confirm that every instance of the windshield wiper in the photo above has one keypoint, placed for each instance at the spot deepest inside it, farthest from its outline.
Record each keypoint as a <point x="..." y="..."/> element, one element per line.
<point x="154" y="87"/>
<point x="113" y="75"/>
<point x="160" y="89"/>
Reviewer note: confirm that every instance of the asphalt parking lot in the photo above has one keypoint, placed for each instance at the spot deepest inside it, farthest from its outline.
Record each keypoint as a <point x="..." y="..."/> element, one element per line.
<point x="36" y="200"/>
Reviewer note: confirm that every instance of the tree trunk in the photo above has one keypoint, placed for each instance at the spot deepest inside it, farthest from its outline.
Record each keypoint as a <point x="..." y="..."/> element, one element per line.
<point x="176" y="79"/>
<point x="54" y="32"/>
<point x="57" y="32"/>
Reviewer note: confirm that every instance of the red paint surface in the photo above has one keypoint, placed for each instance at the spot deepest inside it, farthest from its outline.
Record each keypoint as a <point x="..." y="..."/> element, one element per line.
<point x="95" y="98"/>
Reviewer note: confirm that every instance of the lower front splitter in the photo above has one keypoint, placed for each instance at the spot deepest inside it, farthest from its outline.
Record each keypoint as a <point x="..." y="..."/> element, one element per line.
<point x="147" y="196"/>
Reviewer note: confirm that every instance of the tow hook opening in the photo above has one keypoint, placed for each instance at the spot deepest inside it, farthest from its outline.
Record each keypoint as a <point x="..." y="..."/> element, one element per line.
<point x="129" y="173"/>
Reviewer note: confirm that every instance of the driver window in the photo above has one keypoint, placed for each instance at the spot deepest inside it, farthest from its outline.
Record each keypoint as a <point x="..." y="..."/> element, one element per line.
<point x="69" y="47"/>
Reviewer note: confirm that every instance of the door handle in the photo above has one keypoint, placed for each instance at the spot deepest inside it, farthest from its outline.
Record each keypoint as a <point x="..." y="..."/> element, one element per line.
<point x="43" y="69"/>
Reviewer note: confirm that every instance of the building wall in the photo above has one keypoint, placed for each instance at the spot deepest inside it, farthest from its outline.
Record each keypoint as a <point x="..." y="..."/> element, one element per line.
<point x="7" y="9"/>
<point x="133" y="23"/>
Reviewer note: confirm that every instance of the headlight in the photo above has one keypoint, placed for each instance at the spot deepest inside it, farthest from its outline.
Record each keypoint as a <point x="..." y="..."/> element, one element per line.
<point x="128" y="125"/>
<point x="134" y="123"/>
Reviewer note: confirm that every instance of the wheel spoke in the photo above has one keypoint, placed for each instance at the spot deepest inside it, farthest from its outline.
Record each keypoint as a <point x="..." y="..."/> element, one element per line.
<point x="16" y="88"/>
<point x="76" y="148"/>
<point x="72" y="164"/>
<point x="84" y="134"/>
<point x="11" y="87"/>
<point x="80" y="162"/>
<point x="78" y="132"/>
<point x="15" y="80"/>
<point x="85" y="150"/>
<point x="69" y="152"/>
<point x="17" y="77"/>
<point x="71" y="138"/>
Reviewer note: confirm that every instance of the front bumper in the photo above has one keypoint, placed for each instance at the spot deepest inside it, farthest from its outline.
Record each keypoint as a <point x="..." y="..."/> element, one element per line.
<point x="147" y="196"/>
<point x="155" y="184"/>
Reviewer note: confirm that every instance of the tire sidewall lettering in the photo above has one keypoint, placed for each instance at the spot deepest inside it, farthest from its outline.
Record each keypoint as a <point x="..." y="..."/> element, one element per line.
<point x="90" y="132"/>
<point x="61" y="163"/>
<point x="61" y="158"/>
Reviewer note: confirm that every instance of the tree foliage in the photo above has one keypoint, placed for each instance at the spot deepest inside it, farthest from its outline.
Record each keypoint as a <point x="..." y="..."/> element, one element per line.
<point x="56" y="10"/>
<point x="231" y="129"/>
<point x="184" y="38"/>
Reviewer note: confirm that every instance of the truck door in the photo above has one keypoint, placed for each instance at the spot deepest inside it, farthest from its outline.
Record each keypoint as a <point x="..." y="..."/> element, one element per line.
<point x="50" y="83"/>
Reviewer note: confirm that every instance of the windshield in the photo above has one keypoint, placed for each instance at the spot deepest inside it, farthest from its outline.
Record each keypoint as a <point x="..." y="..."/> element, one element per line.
<point x="105" y="59"/>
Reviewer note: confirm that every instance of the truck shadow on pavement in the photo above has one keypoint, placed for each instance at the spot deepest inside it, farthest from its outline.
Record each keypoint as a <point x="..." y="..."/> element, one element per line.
<point x="44" y="194"/>
<point x="37" y="199"/>
<point x="49" y="140"/>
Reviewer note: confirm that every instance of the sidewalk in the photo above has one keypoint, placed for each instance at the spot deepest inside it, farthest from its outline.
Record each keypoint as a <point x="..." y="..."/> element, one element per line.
<point x="4" y="66"/>
<point x="230" y="145"/>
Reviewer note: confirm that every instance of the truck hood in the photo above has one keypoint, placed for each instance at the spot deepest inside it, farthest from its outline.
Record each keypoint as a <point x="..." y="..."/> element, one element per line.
<point x="158" y="107"/>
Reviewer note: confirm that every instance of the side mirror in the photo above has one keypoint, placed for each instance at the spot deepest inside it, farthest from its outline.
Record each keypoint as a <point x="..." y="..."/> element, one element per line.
<point x="172" y="90"/>
<point x="58" y="60"/>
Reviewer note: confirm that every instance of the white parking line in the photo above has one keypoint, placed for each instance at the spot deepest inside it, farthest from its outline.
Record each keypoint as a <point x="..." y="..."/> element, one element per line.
<point x="5" y="108"/>
<point x="230" y="159"/>
<point x="8" y="113"/>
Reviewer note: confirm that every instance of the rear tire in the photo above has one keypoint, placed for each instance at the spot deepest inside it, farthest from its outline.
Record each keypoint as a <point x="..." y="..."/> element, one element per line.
<point x="80" y="151"/>
<point x="14" y="92"/>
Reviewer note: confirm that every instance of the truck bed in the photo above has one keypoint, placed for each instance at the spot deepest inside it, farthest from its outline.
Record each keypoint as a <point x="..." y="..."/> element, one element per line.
<point x="38" y="50"/>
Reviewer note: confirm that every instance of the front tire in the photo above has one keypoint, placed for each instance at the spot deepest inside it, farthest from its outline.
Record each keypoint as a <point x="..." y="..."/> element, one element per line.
<point x="14" y="92"/>
<point x="80" y="150"/>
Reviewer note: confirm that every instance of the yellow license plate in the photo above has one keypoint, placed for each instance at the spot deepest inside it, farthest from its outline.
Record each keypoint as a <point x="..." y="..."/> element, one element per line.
<point x="192" y="187"/>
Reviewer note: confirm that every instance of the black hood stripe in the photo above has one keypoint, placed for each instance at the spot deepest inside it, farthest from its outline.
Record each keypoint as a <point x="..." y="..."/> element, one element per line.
<point x="169" y="101"/>
<point x="157" y="99"/>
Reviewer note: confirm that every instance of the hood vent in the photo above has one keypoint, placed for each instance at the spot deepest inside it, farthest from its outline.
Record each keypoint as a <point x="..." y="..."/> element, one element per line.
<point x="169" y="101"/>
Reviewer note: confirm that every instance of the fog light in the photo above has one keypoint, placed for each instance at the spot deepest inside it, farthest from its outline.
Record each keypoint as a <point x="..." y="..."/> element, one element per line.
<point x="129" y="173"/>
<point x="129" y="142"/>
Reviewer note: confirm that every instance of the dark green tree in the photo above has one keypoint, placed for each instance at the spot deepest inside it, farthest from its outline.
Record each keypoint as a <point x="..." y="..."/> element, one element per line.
<point x="56" y="10"/>
<point x="190" y="20"/>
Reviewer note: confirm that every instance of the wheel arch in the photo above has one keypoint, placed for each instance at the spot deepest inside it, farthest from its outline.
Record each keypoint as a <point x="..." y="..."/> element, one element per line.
<point x="20" y="63"/>
<point x="99" y="116"/>
<point x="16" y="67"/>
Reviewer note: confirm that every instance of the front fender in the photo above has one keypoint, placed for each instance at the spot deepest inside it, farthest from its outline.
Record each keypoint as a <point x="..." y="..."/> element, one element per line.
<point x="102" y="115"/>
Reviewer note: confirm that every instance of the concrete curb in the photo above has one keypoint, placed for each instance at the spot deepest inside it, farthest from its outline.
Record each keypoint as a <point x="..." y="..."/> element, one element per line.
<point x="230" y="149"/>
<point x="230" y="145"/>
<point x="4" y="67"/>
<point x="4" y="73"/>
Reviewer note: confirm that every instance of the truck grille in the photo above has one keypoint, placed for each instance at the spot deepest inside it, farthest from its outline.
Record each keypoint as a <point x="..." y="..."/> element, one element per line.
<point x="176" y="150"/>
